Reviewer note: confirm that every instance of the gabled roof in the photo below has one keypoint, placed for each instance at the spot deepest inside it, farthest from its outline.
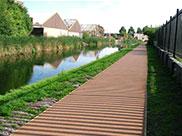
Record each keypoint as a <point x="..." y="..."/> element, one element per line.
<point x="37" y="24"/>
<point x="55" y="22"/>
<point x="88" y="27"/>
<point x="69" y="22"/>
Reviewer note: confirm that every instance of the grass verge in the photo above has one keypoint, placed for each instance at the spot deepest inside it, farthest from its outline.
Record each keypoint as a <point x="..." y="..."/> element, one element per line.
<point x="164" y="110"/>
<point x="55" y="87"/>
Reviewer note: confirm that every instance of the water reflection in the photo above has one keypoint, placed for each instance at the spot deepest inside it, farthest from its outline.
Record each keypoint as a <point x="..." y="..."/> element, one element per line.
<point x="36" y="68"/>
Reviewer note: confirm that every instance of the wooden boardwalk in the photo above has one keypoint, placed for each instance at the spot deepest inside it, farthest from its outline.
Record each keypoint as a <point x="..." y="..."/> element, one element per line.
<point x="112" y="103"/>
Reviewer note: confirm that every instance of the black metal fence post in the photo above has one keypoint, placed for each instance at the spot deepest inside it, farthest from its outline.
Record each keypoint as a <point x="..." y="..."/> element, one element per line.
<point x="165" y="36"/>
<point x="169" y="34"/>
<point x="176" y="30"/>
<point x="162" y="37"/>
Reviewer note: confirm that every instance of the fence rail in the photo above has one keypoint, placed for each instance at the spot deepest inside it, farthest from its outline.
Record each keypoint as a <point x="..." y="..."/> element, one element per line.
<point x="169" y="36"/>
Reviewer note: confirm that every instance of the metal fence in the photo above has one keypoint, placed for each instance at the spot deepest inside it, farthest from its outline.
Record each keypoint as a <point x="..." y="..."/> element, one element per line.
<point x="169" y="36"/>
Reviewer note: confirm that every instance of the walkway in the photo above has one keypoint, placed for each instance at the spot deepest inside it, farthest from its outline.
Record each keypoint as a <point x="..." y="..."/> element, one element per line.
<point x="110" y="104"/>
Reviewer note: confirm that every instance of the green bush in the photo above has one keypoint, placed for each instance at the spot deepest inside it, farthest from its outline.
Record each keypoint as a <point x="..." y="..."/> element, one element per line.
<point x="151" y="32"/>
<point x="15" y="20"/>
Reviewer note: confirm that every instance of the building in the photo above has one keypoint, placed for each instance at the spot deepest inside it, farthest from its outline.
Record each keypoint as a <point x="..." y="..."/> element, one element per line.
<point x="92" y="29"/>
<point x="74" y="28"/>
<point x="141" y="37"/>
<point x="54" y="27"/>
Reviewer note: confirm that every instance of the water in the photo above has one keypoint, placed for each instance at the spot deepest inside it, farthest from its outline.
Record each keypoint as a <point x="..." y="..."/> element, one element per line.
<point x="19" y="72"/>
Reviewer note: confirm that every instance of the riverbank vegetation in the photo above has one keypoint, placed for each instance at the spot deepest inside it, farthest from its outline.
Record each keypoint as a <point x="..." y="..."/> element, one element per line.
<point x="164" y="99"/>
<point x="31" y="44"/>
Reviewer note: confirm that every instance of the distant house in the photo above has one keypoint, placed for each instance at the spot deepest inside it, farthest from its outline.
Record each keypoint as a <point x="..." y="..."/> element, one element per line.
<point x="74" y="28"/>
<point x="141" y="37"/>
<point x="55" y="27"/>
<point x="92" y="29"/>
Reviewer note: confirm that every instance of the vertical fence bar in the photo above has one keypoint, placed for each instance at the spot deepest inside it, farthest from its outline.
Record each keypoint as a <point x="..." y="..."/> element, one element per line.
<point x="169" y="33"/>
<point x="162" y="39"/>
<point x="165" y="36"/>
<point x="176" y="30"/>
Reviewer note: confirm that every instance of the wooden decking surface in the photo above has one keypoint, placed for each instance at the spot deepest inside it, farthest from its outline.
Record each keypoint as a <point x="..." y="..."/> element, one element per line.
<point x="112" y="103"/>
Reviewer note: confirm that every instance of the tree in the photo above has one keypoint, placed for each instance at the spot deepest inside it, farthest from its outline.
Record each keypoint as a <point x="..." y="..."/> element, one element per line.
<point x="139" y="30"/>
<point x="101" y="30"/>
<point x="131" y="31"/>
<point x="14" y="19"/>
<point x="122" y="30"/>
<point x="85" y="34"/>
<point x="115" y="36"/>
<point x="4" y="21"/>
<point x="145" y="29"/>
<point x="151" y="32"/>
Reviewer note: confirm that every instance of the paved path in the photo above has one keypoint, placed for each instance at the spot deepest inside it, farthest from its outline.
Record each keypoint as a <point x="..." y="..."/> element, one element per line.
<point x="110" y="104"/>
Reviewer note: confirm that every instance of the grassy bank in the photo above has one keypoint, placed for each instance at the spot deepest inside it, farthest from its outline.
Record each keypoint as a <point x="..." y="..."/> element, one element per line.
<point x="164" y="92"/>
<point x="56" y="87"/>
<point x="31" y="44"/>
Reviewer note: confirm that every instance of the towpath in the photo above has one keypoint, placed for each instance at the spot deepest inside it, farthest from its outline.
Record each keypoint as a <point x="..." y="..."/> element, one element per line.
<point x="112" y="103"/>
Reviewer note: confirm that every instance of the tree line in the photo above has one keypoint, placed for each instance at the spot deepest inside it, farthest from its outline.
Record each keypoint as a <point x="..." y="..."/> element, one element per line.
<point x="131" y="30"/>
<point x="149" y="31"/>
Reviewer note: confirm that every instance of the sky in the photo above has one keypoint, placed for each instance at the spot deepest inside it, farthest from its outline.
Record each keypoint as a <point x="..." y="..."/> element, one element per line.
<point x="111" y="14"/>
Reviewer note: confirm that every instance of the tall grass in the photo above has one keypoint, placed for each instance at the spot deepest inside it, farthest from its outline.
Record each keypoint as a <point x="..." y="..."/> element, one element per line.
<point x="30" y="44"/>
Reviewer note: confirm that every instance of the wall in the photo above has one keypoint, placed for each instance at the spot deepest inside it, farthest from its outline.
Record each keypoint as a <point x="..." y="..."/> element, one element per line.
<point x="53" y="32"/>
<point x="74" y="34"/>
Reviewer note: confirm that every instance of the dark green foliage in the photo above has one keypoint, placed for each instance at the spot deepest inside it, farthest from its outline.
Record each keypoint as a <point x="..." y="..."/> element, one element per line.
<point x="122" y="31"/>
<point x="139" y="30"/>
<point x="57" y="86"/>
<point x="14" y="19"/>
<point x="164" y="95"/>
<point x="17" y="74"/>
<point x="85" y="34"/>
<point x="115" y="36"/>
<point x="151" y="32"/>
<point x="131" y="31"/>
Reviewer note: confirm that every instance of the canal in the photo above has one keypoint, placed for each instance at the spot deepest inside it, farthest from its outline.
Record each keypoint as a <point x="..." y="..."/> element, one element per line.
<point x="16" y="72"/>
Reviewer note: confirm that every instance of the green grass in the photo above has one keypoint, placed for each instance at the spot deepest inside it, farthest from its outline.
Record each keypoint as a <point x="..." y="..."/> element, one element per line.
<point x="56" y="87"/>
<point x="164" y="108"/>
<point x="179" y="59"/>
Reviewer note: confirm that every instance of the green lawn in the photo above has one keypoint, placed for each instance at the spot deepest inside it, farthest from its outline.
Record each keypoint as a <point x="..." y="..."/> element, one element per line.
<point x="164" y="113"/>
